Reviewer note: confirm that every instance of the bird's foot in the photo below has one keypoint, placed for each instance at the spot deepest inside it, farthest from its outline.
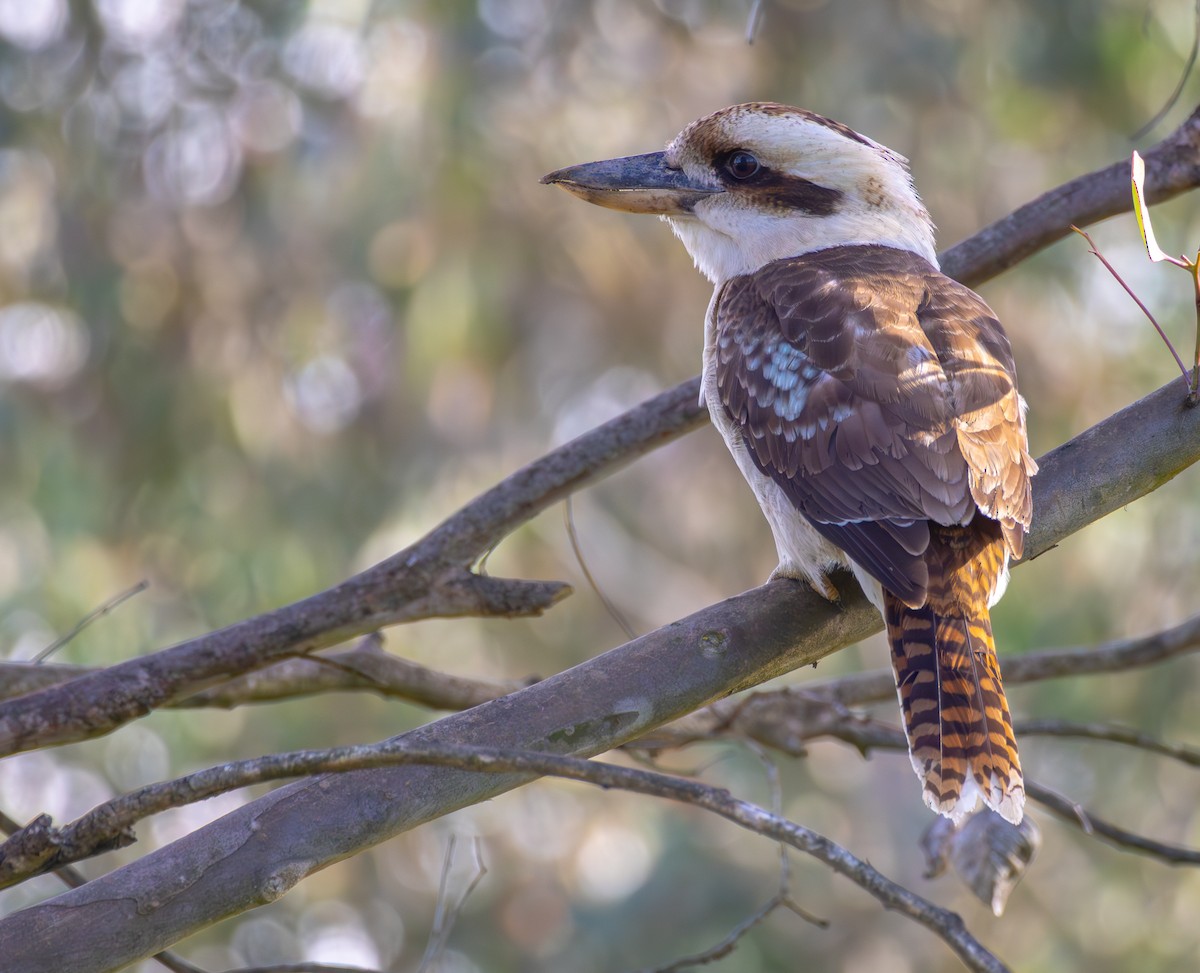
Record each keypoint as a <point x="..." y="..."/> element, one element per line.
<point x="819" y="583"/>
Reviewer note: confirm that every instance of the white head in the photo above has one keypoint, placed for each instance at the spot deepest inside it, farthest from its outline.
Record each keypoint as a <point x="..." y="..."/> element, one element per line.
<point x="758" y="182"/>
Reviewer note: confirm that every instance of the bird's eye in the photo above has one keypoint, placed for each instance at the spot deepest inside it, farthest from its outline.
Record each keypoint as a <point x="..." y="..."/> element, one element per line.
<point x="742" y="165"/>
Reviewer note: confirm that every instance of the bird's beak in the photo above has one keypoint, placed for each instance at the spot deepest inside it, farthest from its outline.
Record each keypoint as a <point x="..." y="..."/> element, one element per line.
<point x="635" y="184"/>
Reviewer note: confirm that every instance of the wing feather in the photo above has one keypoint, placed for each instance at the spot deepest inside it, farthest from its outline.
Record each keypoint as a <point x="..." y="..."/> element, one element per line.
<point x="880" y="395"/>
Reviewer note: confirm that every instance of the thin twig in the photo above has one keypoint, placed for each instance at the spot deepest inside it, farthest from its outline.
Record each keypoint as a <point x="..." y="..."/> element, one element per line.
<point x="781" y="899"/>
<point x="445" y="915"/>
<point x="97" y="613"/>
<point x="609" y="605"/>
<point x="176" y="964"/>
<point x="865" y="735"/>
<point x="783" y="894"/>
<point x="1095" y="827"/>
<point x="1184" y="75"/>
<point x="725" y="946"/>
<point x="1095" y="251"/>
<point x="436" y="943"/>
<point x="1109" y="734"/>
<point x="753" y="20"/>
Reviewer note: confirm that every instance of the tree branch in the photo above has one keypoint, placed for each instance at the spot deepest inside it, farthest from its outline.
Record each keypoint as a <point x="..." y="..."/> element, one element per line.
<point x="366" y="667"/>
<point x="73" y="878"/>
<point x="867" y="734"/>
<point x="1172" y="167"/>
<point x="255" y="854"/>
<point x="1089" y="824"/>
<point x="1084" y="660"/>
<point x="427" y="580"/>
<point x="96" y="827"/>
<point x="1107" y="733"/>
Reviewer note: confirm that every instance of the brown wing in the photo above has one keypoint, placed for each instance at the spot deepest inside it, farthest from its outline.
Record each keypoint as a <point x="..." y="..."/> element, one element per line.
<point x="990" y="416"/>
<point x="880" y="395"/>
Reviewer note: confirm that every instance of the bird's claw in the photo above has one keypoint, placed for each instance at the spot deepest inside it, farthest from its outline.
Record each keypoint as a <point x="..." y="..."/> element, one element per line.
<point x="819" y="583"/>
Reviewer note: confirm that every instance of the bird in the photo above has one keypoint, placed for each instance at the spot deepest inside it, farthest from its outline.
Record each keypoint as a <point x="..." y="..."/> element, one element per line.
<point x="869" y="400"/>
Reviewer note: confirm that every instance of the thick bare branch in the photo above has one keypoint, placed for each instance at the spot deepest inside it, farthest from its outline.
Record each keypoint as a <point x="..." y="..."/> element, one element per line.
<point x="119" y="814"/>
<point x="73" y="878"/>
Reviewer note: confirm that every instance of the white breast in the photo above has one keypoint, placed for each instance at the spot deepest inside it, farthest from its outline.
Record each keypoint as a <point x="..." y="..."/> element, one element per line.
<point x="803" y="553"/>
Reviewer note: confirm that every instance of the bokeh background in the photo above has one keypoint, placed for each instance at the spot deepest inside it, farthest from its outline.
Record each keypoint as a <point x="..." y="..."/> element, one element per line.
<point x="279" y="290"/>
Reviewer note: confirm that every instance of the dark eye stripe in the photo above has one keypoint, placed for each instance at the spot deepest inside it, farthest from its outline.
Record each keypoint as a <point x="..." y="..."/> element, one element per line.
<point x="784" y="191"/>
<point x="742" y="172"/>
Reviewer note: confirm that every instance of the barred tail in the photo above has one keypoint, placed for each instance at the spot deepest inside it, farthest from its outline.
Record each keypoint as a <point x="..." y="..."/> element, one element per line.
<point x="960" y="735"/>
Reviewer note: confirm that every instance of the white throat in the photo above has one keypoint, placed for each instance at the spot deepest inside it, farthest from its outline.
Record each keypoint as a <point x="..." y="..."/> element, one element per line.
<point x="726" y="242"/>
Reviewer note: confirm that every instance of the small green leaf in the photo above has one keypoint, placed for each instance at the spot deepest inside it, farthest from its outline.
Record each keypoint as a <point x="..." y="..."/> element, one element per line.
<point x="1142" y="211"/>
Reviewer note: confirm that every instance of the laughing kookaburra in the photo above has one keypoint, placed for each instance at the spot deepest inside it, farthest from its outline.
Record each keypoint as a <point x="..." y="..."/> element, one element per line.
<point x="870" y="401"/>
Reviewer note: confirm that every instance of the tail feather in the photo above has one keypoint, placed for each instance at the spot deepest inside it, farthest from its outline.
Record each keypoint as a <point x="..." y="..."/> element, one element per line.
<point x="956" y="717"/>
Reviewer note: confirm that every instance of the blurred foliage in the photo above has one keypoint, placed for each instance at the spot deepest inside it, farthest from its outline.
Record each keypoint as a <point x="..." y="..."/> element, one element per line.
<point x="279" y="290"/>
